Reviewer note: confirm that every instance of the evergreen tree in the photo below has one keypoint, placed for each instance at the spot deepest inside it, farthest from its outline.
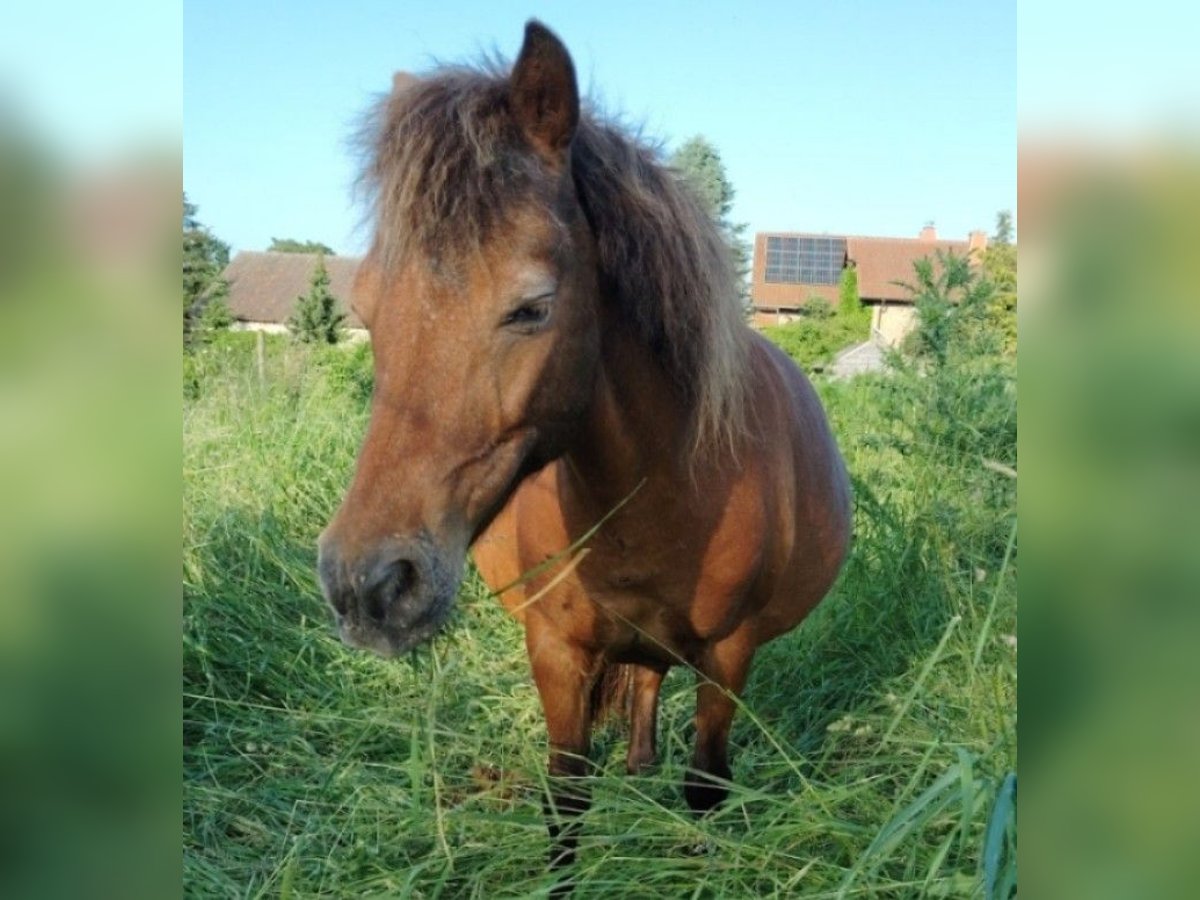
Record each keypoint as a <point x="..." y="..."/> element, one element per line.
<point x="1000" y="268"/>
<point x="1004" y="228"/>
<point x="204" y="290"/>
<point x="316" y="319"/>
<point x="699" y="164"/>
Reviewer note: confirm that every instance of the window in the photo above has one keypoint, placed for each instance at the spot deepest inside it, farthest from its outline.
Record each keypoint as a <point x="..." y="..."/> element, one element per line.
<point x="805" y="260"/>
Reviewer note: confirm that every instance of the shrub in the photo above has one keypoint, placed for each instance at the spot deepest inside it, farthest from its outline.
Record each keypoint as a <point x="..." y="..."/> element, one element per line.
<point x="818" y="308"/>
<point x="349" y="370"/>
<point x="813" y="341"/>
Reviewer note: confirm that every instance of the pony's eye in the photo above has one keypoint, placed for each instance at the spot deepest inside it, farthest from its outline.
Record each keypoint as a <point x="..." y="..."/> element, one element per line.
<point x="529" y="315"/>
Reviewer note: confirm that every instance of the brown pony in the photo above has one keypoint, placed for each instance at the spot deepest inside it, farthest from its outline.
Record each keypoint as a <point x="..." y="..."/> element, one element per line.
<point x="558" y="339"/>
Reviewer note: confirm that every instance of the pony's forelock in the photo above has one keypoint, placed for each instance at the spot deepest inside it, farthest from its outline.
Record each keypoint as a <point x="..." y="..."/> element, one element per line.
<point x="446" y="165"/>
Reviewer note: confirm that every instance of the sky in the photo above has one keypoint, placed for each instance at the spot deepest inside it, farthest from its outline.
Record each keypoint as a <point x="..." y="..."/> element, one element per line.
<point x="858" y="118"/>
<point x="91" y="91"/>
<point x="863" y="117"/>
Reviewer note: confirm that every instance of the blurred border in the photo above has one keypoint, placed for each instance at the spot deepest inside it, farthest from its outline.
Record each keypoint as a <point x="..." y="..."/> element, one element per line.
<point x="1109" y="226"/>
<point x="1109" y="191"/>
<point x="90" y="373"/>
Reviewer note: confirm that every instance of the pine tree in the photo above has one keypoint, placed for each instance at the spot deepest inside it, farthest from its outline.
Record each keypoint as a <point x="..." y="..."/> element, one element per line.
<point x="316" y="319"/>
<point x="700" y="166"/>
<point x="204" y="290"/>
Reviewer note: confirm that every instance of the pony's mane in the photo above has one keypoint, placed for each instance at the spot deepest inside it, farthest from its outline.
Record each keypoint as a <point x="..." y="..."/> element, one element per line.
<point x="447" y="163"/>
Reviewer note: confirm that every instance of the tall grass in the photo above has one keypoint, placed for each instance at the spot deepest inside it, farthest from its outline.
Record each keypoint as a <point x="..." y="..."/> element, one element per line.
<point x="872" y="756"/>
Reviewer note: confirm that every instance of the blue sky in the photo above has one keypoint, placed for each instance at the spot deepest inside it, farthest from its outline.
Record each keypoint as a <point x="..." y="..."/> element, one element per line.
<point x="865" y="118"/>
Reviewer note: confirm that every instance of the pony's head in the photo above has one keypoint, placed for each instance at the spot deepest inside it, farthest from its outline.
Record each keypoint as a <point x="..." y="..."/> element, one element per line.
<point x="510" y="232"/>
<point x="480" y="295"/>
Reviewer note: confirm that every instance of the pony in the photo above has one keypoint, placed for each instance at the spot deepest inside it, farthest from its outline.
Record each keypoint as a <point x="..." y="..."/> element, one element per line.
<point x="562" y="363"/>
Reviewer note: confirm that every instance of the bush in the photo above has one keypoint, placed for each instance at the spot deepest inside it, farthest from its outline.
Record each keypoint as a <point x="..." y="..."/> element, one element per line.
<point x="813" y="341"/>
<point x="345" y="370"/>
<point x="818" y="308"/>
<point x="220" y="355"/>
<point x="350" y="370"/>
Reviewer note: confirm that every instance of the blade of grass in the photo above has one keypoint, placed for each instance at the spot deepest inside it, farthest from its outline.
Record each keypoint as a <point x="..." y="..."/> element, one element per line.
<point x="933" y="660"/>
<point x="985" y="631"/>
<point x="912" y="817"/>
<point x="995" y="837"/>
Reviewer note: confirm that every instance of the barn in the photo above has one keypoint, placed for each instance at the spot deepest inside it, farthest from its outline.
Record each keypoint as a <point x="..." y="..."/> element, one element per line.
<point x="264" y="287"/>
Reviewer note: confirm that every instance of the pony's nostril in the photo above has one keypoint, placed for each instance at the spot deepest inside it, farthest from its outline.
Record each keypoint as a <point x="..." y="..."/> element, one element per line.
<point x="398" y="581"/>
<point x="377" y="604"/>
<point x="405" y="576"/>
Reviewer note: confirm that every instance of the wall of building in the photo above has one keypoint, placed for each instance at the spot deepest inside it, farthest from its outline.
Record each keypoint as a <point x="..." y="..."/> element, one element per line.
<point x="762" y="318"/>
<point x="890" y="322"/>
<point x="352" y="334"/>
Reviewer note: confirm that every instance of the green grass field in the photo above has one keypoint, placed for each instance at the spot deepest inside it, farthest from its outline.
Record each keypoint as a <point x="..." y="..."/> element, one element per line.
<point x="873" y="755"/>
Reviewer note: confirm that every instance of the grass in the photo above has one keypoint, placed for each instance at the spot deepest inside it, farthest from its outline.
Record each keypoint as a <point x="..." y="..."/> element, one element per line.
<point x="873" y="755"/>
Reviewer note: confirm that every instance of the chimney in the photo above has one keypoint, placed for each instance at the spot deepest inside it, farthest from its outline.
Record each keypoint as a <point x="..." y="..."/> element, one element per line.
<point x="929" y="232"/>
<point x="977" y="242"/>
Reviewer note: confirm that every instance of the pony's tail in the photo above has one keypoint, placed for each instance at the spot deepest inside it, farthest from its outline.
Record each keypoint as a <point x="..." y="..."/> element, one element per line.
<point x="612" y="694"/>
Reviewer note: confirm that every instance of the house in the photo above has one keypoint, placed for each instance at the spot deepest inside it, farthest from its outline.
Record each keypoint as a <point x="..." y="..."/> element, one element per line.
<point x="263" y="288"/>
<point x="792" y="268"/>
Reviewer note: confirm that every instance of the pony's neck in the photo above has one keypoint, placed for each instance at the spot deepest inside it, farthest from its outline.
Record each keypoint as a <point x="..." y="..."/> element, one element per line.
<point x="636" y="427"/>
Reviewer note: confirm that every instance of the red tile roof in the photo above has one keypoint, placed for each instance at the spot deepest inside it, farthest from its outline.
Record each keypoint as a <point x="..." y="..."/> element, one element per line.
<point x="884" y="261"/>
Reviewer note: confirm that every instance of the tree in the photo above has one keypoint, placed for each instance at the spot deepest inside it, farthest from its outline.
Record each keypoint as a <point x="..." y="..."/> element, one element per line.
<point x="1004" y="227"/>
<point x="290" y="245"/>
<point x="849" y="302"/>
<point x="952" y="303"/>
<point x="316" y="319"/>
<point x="1000" y="268"/>
<point x="204" y="290"/>
<point x="699" y="164"/>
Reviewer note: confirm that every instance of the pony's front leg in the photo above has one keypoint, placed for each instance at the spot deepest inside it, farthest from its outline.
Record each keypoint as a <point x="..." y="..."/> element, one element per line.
<point x="722" y="675"/>
<point x="564" y="675"/>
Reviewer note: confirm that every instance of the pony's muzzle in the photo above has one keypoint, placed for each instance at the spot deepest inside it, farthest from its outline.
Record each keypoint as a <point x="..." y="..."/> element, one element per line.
<point x="387" y="599"/>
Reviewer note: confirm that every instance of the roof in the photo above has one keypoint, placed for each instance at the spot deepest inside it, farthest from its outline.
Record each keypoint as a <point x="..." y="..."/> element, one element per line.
<point x="263" y="287"/>
<point x="864" y="357"/>
<point x="882" y="262"/>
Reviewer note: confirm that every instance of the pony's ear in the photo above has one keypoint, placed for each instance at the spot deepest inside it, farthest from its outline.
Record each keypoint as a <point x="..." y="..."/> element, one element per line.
<point x="402" y="81"/>
<point x="544" y="96"/>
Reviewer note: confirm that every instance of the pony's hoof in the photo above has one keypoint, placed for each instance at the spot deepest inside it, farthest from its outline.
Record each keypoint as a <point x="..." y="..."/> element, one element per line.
<point x="703" y="793"/>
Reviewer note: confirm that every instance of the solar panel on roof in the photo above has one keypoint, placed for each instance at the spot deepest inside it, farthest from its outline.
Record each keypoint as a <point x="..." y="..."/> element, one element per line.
<point x="804" y="260"/>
